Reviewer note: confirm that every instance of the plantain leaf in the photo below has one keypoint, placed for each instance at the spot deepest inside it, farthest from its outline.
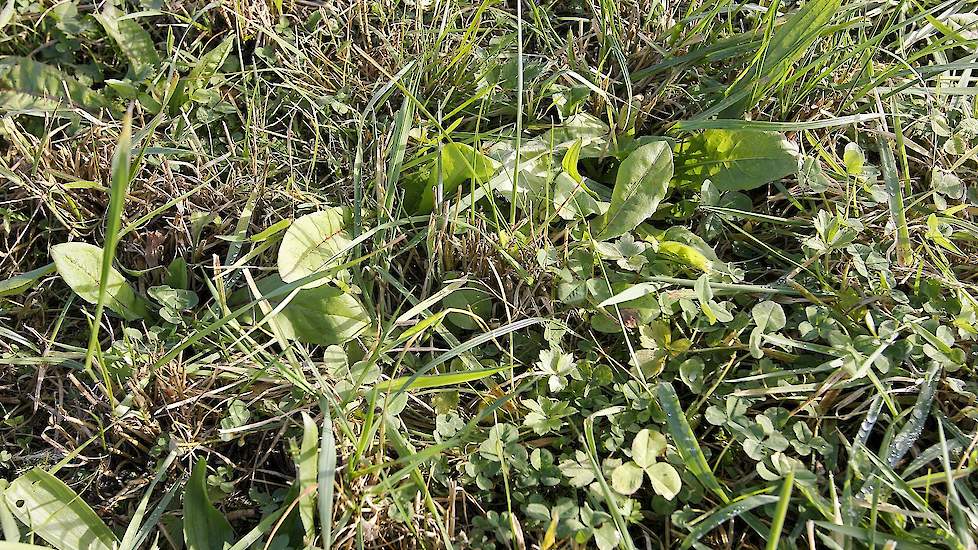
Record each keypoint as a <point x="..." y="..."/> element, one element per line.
<point x="734" y="160"/>
<point x="642" y="182"/>
<point x="323" y="315"/>
<point x="54" y="512"/>
<point x="80" y="264"/>
<point x="133" y="40"/>
<point x="204" y="527"/>
<point x="21" y="283"/>
<point x="33" y="78"/>
<point x="458" y="163"/>
<point x="313" y="243"/>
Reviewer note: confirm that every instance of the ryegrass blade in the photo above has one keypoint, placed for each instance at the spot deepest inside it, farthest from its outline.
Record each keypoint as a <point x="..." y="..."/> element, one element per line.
<point x="911" y="431"/>
<point x="307" y="465"/>
<point x="325" y="476"/>
<point x="791" y="40"/>
<point x="466" y="346"/>
<point x="725" y="514"/>
<point x="121" y="176"/>
<point x="8" y="526"/>
<point x="131" y="540"/>
<point x="781" y="512"/>
<point x="685" y="439"/>
<point x="898" y="213"/>
<point x="405" y="383"/>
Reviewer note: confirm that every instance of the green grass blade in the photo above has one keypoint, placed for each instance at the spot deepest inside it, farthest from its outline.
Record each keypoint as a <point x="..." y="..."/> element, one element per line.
<point x="685" y="439"/>
<point x="781" y="512"/>
<point x="406" y="383"/>
<point x="120" y="187"/>
<point x="725" y="514"/>
<point x="325" y="476"/>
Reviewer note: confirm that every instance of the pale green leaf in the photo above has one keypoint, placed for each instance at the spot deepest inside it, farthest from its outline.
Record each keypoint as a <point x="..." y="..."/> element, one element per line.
<point x="647" y="445"/>
<point x="312" y="244"/>
<point x="80" y="264"/>
<point x="665" y="479"/>
<point x="458" y="163"/>
<point x="734" y="159"/>
<point x="323" y="315"/>
<point x="54" y="512"/>
<point x="768" y="316"/>
<point x="642" y="182"/>
<point x="627" y="478"/>
<point x="204" y="527"/>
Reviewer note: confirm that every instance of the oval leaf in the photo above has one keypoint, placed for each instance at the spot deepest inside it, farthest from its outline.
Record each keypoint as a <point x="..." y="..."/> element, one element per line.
<point x="734" y="160"/>
<point x="56" y="513"/>
<point x="665" y="479"/>
<point x="80" y="265"/>
<point x="647" y="445"/>
<point x="204" y="527"/>
<point x="324" y="315"/>
<point x="312" y="244"/>
<point x="458" y="163"/>
<point x="627" y="478"/>
<point x="642" y="182"/>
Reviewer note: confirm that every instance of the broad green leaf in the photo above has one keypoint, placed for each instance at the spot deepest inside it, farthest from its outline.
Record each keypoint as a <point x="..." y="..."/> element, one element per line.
<point x="854" y="159"/>
<point x="647" y="445"/>
<point x="788" y="44"/>
<point x="627" y="478"/>
<point x="7" y="13"/>
<point x="573" y="200"/>
<point x="24" y="103"/>
<point x="685" y="439"/>
<point x="54" y="512"/>
<point x="204" y="527"/>
<point x="468" y="299"/>
<point x="642" y="182"/>
<point x="21" y="283"/>
<point x="405" y="383"/>
<point x="323" y="315"/>
<point x="685" y="254"/>
<point x="133" y="40"/>
<point x="210" y="62"/>
<point x="79" y="264"/>
<point x="630" y="292"/>
<point x="202" y="71"/>
<point x="665" y="479"/>
<point x="768" y="316"/>
<point x="458" y="163"/>
<point x="34" y="78"/>
<point x="734" y="160"/>
<point x="313" y="243"/>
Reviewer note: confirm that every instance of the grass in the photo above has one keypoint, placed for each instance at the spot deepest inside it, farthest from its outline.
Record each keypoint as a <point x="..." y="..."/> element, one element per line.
<point x="566" y="274"/>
